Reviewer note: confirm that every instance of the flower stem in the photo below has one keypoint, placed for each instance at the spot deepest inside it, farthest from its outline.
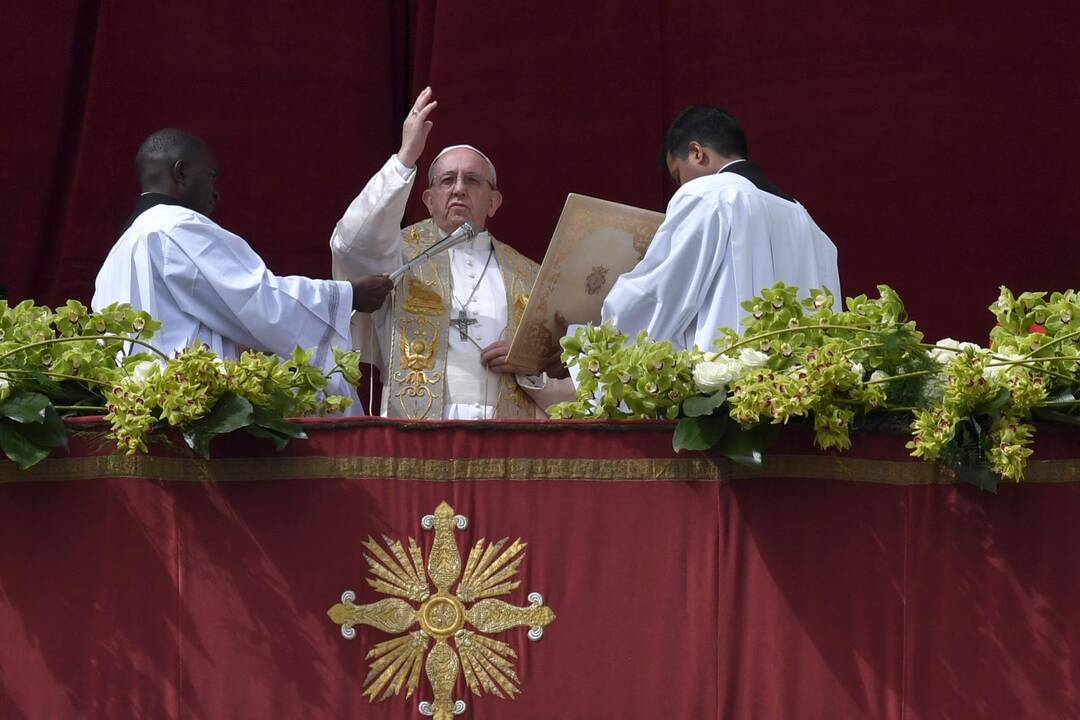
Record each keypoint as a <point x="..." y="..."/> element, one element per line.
<point x="918" y="373"/>
<point x="1026" y="360"/>
<point x="1052" y="343"/>
<point x="801" y="328"/>
<point x="859" y="348"/>
<point x="95" y="408"/>
<point x="49" y="373"/>
<point x="80" y="338"/>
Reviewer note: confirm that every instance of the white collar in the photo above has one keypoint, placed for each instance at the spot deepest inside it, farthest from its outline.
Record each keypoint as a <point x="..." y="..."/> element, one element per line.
<point x="480" y="243"/>
<point x="727" y="165"/>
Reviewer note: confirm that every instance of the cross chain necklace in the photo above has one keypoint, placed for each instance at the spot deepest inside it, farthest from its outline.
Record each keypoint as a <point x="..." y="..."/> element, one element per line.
<point x="463" y="321"/>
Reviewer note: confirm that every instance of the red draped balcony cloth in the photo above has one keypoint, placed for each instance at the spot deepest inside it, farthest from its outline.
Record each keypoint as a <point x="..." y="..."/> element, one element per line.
<point x="862" y="585"/>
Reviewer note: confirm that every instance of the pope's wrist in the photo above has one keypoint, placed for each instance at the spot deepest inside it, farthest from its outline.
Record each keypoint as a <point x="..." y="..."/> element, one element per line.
<point x="404" y="161"/>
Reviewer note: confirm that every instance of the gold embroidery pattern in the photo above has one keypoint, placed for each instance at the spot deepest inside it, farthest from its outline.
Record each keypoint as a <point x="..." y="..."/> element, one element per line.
<point x="420" y="324"/>
<point x="521" y="301"/>
<point x="418" y="345"/>
<point x="519" y="274"/>
<point x="594" y="283"/>
<point x="420" y="299"/>
<point x="487" y="664"/>
<point x="641" y="246"/>
<point x="415" y="390"/>
<point x="548" y="469"/>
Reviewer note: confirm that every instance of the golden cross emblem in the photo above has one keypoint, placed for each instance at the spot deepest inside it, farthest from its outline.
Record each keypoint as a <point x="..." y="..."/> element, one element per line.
<point x="443" y="616"/>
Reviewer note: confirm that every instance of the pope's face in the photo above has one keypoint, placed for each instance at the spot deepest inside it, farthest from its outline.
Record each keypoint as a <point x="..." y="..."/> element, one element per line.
<point x="462" y="191"/>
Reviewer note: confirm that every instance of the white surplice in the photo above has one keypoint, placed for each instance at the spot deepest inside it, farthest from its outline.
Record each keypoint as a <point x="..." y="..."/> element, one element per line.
<point x="206" y="285"/>
<point x="367" y="241"/>
<point x="722" y="241"/>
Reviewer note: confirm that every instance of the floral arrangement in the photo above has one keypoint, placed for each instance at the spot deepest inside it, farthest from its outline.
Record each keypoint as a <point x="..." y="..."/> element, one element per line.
<point x="68" y="361"/>
<point x="799" y="360"/>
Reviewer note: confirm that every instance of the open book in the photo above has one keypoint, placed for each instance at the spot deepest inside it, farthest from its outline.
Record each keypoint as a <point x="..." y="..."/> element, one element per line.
<point x="594" y="243"/>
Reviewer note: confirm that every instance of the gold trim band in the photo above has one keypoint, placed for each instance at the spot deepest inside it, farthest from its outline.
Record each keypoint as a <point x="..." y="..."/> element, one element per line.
<point x="697" y="469"/>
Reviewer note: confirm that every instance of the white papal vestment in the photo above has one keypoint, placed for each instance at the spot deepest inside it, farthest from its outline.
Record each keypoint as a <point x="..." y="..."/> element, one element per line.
<point x="368" y="241"/>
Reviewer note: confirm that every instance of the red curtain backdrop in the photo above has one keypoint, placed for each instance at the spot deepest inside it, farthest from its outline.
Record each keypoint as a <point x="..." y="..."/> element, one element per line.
<point x="825" y="587"/>
<point x="934" y="142"/>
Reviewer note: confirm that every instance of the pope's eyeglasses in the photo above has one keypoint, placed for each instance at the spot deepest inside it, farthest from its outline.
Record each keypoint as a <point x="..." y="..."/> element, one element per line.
<point x="471" y="181"/>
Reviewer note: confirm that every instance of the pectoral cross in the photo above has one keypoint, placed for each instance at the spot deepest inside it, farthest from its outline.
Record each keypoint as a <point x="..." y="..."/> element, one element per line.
<point x="462" y="323"/>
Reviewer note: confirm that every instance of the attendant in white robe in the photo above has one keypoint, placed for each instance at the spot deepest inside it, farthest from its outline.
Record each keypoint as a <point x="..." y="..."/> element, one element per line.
<point x="206" y="285"/>
<point x="462" y="187"/>
<point x="729" y="233"/>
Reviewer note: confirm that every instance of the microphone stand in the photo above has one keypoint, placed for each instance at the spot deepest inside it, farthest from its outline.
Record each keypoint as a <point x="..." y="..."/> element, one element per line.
<point x="463" y="233"/>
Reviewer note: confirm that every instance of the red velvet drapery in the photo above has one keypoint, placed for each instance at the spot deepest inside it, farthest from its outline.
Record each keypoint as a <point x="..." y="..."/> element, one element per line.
<point x="933" y="141"/>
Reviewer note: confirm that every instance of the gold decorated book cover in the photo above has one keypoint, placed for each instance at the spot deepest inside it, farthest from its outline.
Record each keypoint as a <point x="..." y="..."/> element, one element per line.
<point x="594" y="243"/>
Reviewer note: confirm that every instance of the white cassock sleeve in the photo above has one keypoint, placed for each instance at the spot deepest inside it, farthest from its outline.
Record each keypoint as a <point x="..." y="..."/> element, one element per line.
<point x="206" y="285"/>
<point x="664" y="293"/>
<point x="367" y="241"/>
<point x="215" y="276"/>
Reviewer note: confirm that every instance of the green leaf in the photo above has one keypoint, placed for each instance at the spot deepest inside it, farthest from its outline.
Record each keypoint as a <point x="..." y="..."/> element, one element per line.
<point x="994" y="405"/>
<point x="25" y="407"/>
<point x="1062" y="396"/>
<point x="49" y="433"/>
<point x="270" y="425"/>
<point x="698" y="433"/>
<point x="979" y="475"/>
<point x="746" y="446"/>
<point x="19" y="448"/>
<point x="1056" y="416"/>
<point x="199" y="442"/>
<point x="698" y="405"/>
<point x="279" y="440"/>
<point x="231" y="412"/>
<point x="70" y="393"/>
<point x="272" y="420"/>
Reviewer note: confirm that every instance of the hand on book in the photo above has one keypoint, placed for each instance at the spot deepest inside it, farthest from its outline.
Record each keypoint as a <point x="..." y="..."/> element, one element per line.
<point x="493" y="357"/>
<point x="554" y="366"/>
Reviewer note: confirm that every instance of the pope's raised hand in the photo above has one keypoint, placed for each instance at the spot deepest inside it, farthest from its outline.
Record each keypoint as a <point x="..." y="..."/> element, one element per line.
<point x="415" y="129"/>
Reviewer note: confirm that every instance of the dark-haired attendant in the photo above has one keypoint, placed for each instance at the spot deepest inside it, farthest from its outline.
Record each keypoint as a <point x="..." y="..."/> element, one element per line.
<point x="729" y="232"/>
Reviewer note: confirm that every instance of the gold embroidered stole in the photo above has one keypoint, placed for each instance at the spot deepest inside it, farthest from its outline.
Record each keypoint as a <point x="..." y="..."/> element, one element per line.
<point x="415" y="385"/>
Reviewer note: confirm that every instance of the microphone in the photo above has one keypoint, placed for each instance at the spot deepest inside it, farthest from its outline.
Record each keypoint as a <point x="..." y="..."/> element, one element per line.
<point x="463" y="233"/>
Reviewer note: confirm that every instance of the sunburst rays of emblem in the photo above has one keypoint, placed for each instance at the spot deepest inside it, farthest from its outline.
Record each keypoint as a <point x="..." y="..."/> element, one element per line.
<point x="462" y="599"/>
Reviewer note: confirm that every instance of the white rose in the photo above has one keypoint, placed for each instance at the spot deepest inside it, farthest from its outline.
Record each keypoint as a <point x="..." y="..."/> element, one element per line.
<point x="712" y="377"/>
<point x="858" y="369"/>
<point x="752" y="358"/>
<point x="943" y="356"/>
<point x="879" y="375"/>
<point x="142" y="371"/>
<point x="992" y="372"/>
